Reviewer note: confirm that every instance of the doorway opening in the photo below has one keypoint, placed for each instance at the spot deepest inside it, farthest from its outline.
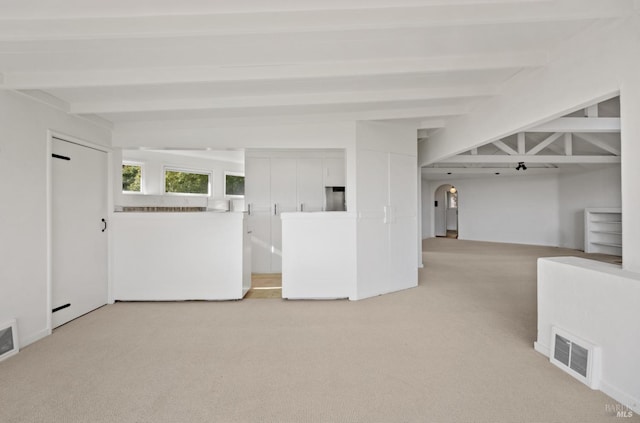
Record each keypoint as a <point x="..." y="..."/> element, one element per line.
<point x="445" y="211"/>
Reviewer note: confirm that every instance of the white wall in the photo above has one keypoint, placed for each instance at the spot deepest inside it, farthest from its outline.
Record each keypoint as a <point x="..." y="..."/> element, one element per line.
<point x="514" y="209"/>
<point x="597" y="302"/>
<point x="427" y="209"/>
<point x="580" y="190"/>
<point x="538" y="210"/>
<point x="23" y="211"/>
<point x="440" y="212"/>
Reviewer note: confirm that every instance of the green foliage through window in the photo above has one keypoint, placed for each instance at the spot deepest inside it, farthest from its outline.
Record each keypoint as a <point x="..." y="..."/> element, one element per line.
<point x="131" y="178"/>
<point x="234" y="185"/>
<point x="182" y="182"/>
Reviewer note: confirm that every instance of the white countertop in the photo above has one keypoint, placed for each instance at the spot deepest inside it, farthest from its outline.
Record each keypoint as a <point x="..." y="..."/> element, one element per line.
<point x="318" y="215"/>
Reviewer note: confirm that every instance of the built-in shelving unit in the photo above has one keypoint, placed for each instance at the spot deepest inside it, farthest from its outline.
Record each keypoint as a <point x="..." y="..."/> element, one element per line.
<point x="603" y="231"/>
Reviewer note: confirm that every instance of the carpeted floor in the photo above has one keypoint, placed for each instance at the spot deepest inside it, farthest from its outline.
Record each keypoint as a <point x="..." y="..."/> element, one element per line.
<point x="458" y="348"/>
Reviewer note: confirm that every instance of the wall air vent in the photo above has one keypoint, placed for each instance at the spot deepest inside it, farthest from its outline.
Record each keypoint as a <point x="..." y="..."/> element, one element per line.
<point x="8" y="339"/>
<point x="579" y="358"/>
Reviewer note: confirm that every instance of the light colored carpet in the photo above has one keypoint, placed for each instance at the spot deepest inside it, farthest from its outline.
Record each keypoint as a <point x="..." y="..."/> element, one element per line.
<point x="458" y="348"/>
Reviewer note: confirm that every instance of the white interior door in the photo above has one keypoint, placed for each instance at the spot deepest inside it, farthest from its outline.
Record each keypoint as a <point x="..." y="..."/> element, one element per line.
<point x="79" y="237"/>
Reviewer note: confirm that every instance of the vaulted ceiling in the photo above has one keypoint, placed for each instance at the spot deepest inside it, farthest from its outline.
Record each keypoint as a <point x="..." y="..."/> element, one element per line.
<point x="123" y="63"/>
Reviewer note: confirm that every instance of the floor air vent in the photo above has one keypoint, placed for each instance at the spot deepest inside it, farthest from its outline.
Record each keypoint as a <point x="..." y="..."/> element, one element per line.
<point x="574" y="355"/>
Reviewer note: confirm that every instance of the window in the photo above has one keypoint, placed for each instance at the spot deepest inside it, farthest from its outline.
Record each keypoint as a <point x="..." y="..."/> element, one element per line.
<point x="233" y="184"/>
<point x="452" y="200"/>
<point x="182" y="181"/>
<point x="131" y="177"/>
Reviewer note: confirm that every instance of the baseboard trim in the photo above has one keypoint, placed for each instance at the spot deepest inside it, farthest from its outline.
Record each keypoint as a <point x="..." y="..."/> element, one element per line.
<point x="27" y="340"/>
<point x="541" y="348"/>
<point x="620" y="396"/>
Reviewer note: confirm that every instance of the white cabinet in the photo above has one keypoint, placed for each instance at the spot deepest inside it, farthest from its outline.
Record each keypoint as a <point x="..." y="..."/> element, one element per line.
<point x="603" y="231"/>
<point x="284" y="200"/>
<point x="310" y="190"/>
<point x="280" y="183"/>
<point x="334" y="172"/>
<point x="258" y="200"/>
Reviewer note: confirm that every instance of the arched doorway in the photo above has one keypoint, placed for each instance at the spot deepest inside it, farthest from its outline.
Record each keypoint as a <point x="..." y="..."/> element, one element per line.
<point x="445" y="211"/>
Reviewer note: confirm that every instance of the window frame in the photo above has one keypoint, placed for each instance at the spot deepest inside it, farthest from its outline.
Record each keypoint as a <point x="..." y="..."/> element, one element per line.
<point x="141" y="165"/>
<point x="232" y="173"/>
<point x="171" y="168"/>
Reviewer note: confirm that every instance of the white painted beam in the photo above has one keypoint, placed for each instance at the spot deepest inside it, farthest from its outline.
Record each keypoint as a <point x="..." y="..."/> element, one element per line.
<point x="599" y="143"/>
<point x="432" y="124"/>
<point x="504" y="147"/>
<point x="267" y="72"/>
<point x="521" y="143"/>
<point x="544" y="144"/>
<point x="453" y="171"/>
<point x="531" y="159"/>
<point x="568" y="144"/>
<point x="337" y="98"/>
<point x="572" y="124"/>
<point x="211" y="21"/>
<point x="161" y="126"/>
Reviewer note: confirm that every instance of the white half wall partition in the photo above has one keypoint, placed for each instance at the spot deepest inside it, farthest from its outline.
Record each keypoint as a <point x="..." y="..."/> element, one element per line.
<point x="318" y="255"/>
<point x="597" y="302"/>
<point x="165" y="256"/>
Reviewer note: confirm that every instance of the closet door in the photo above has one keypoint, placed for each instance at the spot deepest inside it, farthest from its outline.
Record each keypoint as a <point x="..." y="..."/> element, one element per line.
<point x="284" y="199"/>
<point x="79" y="230"/>
<point x="258" y="200"/>
<point x="310" y="185"/>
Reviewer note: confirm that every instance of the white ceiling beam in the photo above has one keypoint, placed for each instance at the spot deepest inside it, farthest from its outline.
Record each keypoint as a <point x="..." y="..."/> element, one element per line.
<point x="568" y="144"/>
<point x="504" y="147"/>
<point x="544" y="144"/>
<point x="521" y="143"/>
<point x="573" y="124"/>
<point x="445" y="171"/>
<point x="152" y="126"/>
<point x="338" y="98"/>
<point x="393" y="16"/>
<point x="531" y="159"/>
<point x="268" y="72"/>
<point x="592" y="111"/>
<point x="599" y="143"/>
<point x="432" y="124"/>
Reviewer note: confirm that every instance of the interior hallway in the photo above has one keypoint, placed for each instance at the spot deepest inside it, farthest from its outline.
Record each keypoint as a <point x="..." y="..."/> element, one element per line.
<point x="458" y="348"/>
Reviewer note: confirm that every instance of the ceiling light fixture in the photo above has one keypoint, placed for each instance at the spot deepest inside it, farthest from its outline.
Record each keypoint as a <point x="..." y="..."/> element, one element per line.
<point x="453" y="190"/>
<point x="521" y="166"/>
